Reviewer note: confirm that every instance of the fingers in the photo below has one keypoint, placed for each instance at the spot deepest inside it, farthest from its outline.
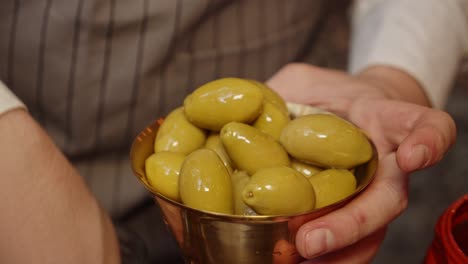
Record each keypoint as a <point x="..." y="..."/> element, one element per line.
<point x="331" y="90"/>
<point x="293" y="82"/>
<point x="362" y="252"/>
<point x="429" y="139"/>
<point x="419" y="135"/>
<point x="382" y="202"/>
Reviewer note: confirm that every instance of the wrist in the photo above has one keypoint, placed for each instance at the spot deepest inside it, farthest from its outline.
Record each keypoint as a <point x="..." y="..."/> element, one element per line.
<point x="395" y="84"/>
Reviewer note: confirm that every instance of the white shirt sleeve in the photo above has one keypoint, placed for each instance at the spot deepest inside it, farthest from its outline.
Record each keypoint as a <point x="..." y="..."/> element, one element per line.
<point x="8" y="101"/>
<point x="425" y="38"/>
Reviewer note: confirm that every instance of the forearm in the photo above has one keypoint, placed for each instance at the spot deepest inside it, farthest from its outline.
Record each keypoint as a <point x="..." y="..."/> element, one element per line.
<point x="48" y="215"/>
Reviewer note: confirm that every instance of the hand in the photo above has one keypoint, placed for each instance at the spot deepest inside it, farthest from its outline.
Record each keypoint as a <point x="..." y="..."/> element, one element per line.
<point x="389" y="105"/>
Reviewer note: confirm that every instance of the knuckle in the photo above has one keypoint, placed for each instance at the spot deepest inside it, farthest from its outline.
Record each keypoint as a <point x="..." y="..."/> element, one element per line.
<point x="361" y="222"/>
<point x="401" y="204"/>
<point x="358" y="222"/>
<point x="451" y="126"/>
<point x="297" y="68"/>
<point x="397" y="194"/>
<point x="448" y="125"/>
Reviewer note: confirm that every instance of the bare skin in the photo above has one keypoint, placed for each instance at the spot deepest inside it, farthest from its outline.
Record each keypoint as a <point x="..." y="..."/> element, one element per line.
<point x="394" y="110"/>
<point x="48" y="214"/>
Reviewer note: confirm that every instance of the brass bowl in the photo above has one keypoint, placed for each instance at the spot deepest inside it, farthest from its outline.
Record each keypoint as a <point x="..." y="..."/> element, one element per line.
<point x="207" y="237"/>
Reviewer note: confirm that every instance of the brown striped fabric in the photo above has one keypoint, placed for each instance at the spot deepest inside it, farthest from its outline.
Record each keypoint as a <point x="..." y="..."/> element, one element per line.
<point x="95" y="72"/>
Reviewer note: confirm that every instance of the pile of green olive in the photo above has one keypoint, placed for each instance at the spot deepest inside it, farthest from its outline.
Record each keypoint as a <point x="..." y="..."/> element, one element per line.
<point x="234" y="148"/>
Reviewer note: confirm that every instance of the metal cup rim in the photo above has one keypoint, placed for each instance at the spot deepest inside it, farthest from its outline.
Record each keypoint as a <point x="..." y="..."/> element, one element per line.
<point x="149" y="132"/>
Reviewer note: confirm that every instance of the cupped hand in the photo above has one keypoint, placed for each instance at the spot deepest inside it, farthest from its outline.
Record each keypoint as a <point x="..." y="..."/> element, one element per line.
<point x="408" y="135"/>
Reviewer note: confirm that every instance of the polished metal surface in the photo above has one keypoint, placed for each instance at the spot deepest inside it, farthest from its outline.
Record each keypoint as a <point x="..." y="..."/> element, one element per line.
<point x="206" y="237"/>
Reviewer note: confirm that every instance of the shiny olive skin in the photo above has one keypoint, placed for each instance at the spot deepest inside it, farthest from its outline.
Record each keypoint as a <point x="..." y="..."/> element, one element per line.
<point x="225" y="100"/>
<point x="239" y="181"/>
<point x="279" y="191"/>
<point x="332" y="185"/>
<point x="250" y="149"/>
<point x="177" y="134"/>
<point x="271" y="96"/>
<point x="214" y="143"/>
<point x="272" y="120"/>
<point x="304" y="168"/>
<point x="205" y="183"/>
<point x="327" y="141"/>
<point x="162" y="173"/>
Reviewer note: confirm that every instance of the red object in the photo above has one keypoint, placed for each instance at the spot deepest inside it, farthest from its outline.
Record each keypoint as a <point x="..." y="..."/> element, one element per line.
<point x="450" y="244"/>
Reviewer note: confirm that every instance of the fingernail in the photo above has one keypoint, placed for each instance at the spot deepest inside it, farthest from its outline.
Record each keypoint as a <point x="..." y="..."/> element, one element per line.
<point x="419" y="156"/>
<point x="318" y="241"/>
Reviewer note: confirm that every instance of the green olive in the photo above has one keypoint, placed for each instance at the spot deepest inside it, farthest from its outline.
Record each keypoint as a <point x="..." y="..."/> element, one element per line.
<point x="332" y="185"/>
<point x="304" y="168"/>
<point x="239" y="181"/>
<point x="250" y="149"/>
<point x="177" y="134"/>
<point x="272" y="120"/>
<point x="272" y="96"/>
<point x="279" y="191"/>
<point x="214" y="143"/>
<point x="219" y="102"/>
<point x="205" y="183"/>
<point x="326" y="140"/>
<point x="162" y="172"/>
